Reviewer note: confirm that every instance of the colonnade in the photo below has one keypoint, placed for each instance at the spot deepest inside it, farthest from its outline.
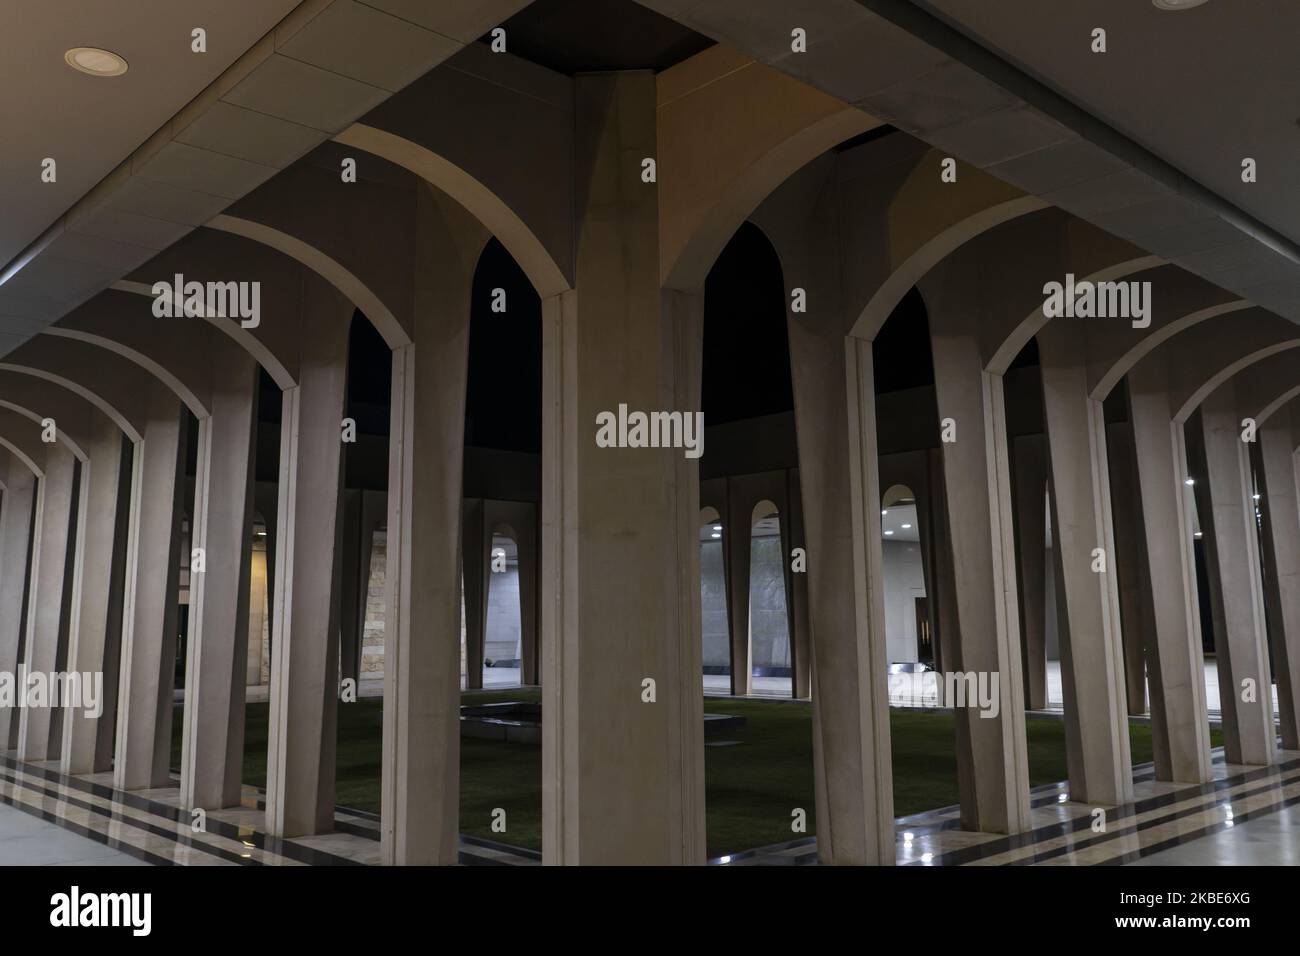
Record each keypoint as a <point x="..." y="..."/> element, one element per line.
<point x="618" y="251"/>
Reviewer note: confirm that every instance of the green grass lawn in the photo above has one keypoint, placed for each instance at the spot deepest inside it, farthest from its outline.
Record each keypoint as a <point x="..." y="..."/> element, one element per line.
<point x="751" y="787"/>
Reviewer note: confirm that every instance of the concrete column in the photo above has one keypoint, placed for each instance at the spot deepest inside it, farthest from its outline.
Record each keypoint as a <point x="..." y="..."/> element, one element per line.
<point x="1130" y="563"/>
<point x="1179" y="724"/>
<point x="797" y="593"/>
<point x="106" y="730"/>
<point x="476" y="561"/>
<point x="19" y="513"/>
<point x="1030" y="480"/>
<point x="530" y="667"/>
<point x="266" y="500"/>
<point x="53" y="580"/>
<point x="619" y="524"/>
<point x="212" y="743"/>
<point x="925" y="538"/>
<point x="1275" y="470"/>
<point x="1092" y="653"/>
<point x="374" y="512"/>
<point x="739" y="531"/>
<point x="420" y="816"/>
<point x="945" y="594"/>
<point x="353" y="597"/>
<point x="304" y="645"/>
<point x="145" y="703"/>
<point x="1227" y="511"/>
<point x="258" y="593"/>
<point x="835" y="418"/>
<point x="95" y="628"/>
<point x="977" y="487"/>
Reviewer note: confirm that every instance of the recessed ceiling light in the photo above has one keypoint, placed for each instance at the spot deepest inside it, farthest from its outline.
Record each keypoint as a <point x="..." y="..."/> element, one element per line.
<point x="906" y="526"/>
<point x="96" y="62"/>
<point x="1177" y="4"/>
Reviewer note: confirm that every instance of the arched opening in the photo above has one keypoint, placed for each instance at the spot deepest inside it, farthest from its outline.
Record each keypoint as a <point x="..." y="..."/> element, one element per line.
<point x="500" y="746"/>
<point x="758" y="751"/>
<point x="909" y="629"/>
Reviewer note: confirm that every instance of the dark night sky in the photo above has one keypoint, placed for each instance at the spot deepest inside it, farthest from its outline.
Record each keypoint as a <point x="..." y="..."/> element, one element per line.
<point x="746" y="352"/>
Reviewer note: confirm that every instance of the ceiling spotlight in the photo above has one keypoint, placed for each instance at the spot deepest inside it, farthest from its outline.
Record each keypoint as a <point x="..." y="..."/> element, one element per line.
<point x="1189" y="481"/>
<point x="717" y="534"/>
<point x="906" y="526"/>
<point x="889" y="532"/>
<point x="1197" y="535"/>
<point x="96" y="62"/>
<point x="1177" y="4"/>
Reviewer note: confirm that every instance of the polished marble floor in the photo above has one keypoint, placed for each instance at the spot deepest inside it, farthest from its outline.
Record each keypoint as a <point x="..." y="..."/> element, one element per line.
<point x="1245" y="815"/>
<point x="1271" y="840"/>
<point x="27" y="840"/>
<point x="150" y="826"/>
<point x="1166" y="824"/>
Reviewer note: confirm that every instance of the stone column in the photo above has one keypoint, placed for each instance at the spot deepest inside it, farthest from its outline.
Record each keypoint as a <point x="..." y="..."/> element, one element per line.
<point x="1130" y="561"/>
<point x="619" y="524"/>
<point x="1030" y="480"/>
<point x="1275" y="470"/>
<point x="977" y="488"/>
<point x="945" y="596"/>
<point x="476" y="561"/>
<point x="374" y="512"/>
<point x="1175" y="670"/>
<point x="95" y="628"/>
<point x="1227" y="512"/>
<point x="739" y="530"/>
<point x="925" y="538"/>
<point x="19" y="513"/>
<point x="1092" y="654"/>
<point x="106" y="731"/>
<point x="53" y="579"/>
<point x="212" y="743"/>
<point x="258" y="594"/>
<point x="835" y="418"/>
<point x="145" y="702"/>
<point x="353" y="597"/>
<point x="526" y="543"/>
<point x="797" y="593"/>
<point x="304" y="645"/>
<point x="420" y="816"/>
